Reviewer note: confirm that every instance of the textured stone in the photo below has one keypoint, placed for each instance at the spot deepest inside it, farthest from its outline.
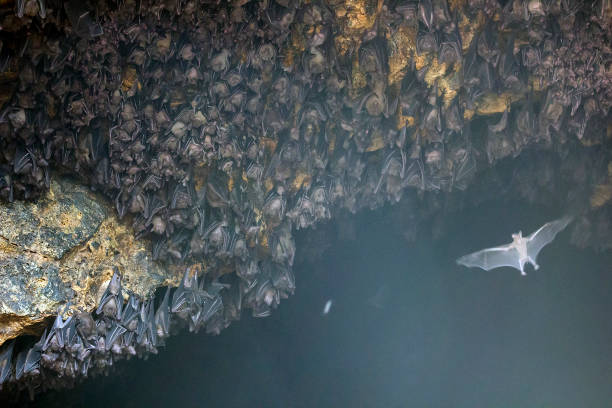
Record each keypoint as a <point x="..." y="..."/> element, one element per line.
<point x="66" y="217"/>
<point x="61" y="250"/>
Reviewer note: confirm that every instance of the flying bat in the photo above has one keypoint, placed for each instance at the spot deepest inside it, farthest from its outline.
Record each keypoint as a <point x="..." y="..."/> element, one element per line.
<point x="519" y="252"/>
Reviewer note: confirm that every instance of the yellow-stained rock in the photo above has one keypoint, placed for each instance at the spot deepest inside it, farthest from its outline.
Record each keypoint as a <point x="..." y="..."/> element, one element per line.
<point x="603" y="192"/>
<point x="402" y="45"/>
<point x="601" y="195"/>
<point x="130" y="79"/>
<point x="61" y="250"/>
<point x="355" y="17"/>
<point x="491" y="103"/>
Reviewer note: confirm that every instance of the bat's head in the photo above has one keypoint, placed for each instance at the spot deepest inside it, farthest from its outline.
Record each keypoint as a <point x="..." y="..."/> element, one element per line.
<point x="517" y="237"/>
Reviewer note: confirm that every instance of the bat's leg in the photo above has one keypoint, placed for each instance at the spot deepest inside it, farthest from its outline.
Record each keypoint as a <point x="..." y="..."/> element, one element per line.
<point x="535" y="265"/>
<point x="522" y="263"/>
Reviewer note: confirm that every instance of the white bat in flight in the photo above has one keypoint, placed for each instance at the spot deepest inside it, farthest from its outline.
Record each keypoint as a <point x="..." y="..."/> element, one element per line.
<point x="520" y="251"/>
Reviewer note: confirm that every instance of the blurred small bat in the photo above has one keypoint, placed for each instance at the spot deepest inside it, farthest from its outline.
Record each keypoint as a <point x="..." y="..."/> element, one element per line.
<point x="327" y="307"/>
<point x="520" y="251"/>
<point x="379" y="299"/>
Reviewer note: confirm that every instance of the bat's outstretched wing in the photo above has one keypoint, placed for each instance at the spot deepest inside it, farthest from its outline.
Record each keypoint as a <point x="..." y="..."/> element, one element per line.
<point x="544" y="236"/>
<point x="491" y="258"/>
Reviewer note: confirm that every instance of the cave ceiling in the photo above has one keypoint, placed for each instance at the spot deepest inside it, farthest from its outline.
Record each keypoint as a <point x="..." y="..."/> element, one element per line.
<point x="181" y="144"/>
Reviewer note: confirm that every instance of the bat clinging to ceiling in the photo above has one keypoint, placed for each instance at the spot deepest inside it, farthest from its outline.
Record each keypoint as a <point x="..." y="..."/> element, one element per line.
<point x="520" y="251"/>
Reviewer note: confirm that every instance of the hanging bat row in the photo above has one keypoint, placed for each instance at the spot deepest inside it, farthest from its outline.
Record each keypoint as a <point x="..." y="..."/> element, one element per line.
<point x="85" y="344"/>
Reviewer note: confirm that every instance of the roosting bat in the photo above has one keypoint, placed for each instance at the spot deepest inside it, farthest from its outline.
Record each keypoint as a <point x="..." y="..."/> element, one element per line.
<point x="519" y="252"/>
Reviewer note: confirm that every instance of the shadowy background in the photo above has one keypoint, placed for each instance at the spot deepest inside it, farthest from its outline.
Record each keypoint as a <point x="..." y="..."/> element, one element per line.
<point x="407" y="327"/>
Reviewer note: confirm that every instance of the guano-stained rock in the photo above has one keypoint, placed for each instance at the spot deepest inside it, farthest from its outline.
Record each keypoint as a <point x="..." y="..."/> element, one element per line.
<point x="65" y="218"/>
<point x="61" y="250"/>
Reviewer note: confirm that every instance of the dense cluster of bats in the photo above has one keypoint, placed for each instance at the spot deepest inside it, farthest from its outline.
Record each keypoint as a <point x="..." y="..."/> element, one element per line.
<point x="85" y="344"/>
<point x="220" y="127"/>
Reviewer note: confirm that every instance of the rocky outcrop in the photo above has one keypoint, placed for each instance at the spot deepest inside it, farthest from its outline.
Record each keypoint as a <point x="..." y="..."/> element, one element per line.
<point x="58" y="253"/>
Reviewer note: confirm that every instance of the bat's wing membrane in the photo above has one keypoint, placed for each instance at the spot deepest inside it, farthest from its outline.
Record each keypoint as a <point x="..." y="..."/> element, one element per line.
<point x="543" y="236"/>
<point x="491" y="258"/>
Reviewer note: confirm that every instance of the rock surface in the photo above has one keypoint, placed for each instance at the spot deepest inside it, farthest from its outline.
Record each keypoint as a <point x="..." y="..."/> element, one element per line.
<point x="60" y="250"/>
